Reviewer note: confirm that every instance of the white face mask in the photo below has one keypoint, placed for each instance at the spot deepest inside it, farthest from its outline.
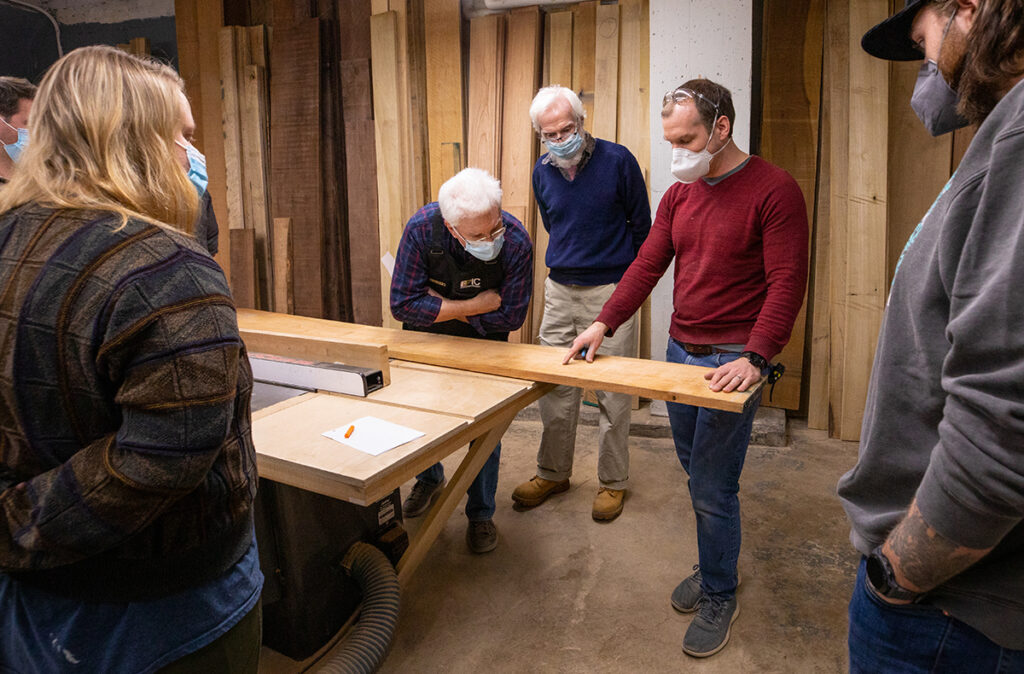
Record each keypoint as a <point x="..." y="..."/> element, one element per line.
<point x="689" y="166"/>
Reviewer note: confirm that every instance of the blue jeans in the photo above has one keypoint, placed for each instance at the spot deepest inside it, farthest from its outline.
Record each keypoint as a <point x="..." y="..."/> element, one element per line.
<point x="918" y="638"/>
<point x="712" y="445"/>
<point x="480" y="504"/>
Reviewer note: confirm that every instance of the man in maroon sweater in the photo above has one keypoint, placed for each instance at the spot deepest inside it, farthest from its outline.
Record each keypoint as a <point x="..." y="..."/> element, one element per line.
<point x="736" y="228"/>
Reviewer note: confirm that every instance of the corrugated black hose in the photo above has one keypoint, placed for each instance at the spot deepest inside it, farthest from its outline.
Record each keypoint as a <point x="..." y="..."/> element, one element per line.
<point x="363" y="649"/>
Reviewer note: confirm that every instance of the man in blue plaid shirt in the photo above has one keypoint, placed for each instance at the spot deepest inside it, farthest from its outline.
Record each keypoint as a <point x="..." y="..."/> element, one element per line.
<point x="464" y="268"/>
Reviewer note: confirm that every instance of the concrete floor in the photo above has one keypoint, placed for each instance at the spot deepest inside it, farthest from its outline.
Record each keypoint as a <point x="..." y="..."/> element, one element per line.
<point x="562" y="593"/>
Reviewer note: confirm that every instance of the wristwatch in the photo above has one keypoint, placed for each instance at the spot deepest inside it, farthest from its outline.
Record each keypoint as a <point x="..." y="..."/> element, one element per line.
<point x="883" y="579"/>
<point x="756" y="359"/>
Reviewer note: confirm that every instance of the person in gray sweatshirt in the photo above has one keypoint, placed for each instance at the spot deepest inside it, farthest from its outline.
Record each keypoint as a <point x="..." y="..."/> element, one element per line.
<point x="936" y="500"/>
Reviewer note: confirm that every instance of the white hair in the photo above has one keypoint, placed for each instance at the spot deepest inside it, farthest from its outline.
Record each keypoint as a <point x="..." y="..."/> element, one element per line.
<point x="469" y="193"/>
<point x="547" y="96"/>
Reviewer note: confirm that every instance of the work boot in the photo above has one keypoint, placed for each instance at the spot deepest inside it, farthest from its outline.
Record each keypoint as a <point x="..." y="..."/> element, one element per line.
<point x="421" y="497"/>
<point x="608" y="504"/>
<point x="686" y="596"/>
<point x="482" y="536"/>
<point x="534" y="492"/>
<point x="709" y="631"/>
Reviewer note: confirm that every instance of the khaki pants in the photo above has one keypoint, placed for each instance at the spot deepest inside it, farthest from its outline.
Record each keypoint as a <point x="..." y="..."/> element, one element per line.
<point x="568" y="311"/>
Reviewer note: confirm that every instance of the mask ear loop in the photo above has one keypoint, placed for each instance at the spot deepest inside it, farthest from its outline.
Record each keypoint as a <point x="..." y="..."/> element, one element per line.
<point x="945" y="32"/>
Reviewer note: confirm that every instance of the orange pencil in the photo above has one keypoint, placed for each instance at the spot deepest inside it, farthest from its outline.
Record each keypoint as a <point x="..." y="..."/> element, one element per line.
<point x="348" y="433"/>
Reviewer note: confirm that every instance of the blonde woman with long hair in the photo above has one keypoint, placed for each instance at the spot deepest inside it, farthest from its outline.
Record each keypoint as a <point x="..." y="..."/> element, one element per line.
<point x="127" y="472"/>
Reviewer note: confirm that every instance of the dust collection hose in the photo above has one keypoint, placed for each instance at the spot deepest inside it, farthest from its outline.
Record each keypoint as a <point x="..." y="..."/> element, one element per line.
<point x="363" y="649"/>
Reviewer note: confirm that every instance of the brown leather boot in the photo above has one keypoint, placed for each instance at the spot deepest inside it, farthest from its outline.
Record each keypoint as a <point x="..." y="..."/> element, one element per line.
<point x="608" y="504"/>
<point x="536" y="491"/>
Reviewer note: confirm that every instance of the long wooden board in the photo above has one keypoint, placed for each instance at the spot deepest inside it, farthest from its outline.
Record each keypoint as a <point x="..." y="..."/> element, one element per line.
<point x="866" y="208"/>
<point x="647" y="378"/>
<point x="295" y="166"/>
<point x="791" y="85"/>
<point x="442" y="27"/>
<point x="198" y="24"/>
<point x="838" y="82"/>
<point x="518" y="141"/>
<point x="583" y="50"/>
<point x="818" y="285"/>
<point x="634" y="124"/>
<point x="486" y="60"/>
<point x="390" y="121"/>
<point x="606" y="72"/>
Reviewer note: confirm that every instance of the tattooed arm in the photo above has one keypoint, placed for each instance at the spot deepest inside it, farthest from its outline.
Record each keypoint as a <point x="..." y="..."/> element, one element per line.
<point x="923" y="559"/>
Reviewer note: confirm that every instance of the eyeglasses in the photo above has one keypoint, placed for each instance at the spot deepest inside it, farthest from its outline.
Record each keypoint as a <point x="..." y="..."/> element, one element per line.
<point x="562" y="133"/>
<point x="680" y="94"/>
<point x="487" y="237"/>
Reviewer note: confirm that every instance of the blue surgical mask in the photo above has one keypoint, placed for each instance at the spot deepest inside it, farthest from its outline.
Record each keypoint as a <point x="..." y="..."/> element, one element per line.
<point x="567" y="148"/>
<point x="485" y="250"/>
<point x="15" y="149"/>
<point x="196" y="167"/>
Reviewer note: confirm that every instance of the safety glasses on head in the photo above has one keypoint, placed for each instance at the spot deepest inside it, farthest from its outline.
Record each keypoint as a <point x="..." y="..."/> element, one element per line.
<point x="682" y="94"/>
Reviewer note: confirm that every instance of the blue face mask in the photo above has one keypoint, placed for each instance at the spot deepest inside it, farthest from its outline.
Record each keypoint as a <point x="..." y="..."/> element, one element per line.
<point x="15" y="149"/>
<point x="485" y="250"/>
<point x="196" y="167"/>
<point x="567" y="148"/>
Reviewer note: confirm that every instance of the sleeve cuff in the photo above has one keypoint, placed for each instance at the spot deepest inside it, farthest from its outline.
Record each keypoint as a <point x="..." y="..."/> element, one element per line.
<point x="762" y="347"/>
<point x="477" y="324"/>
<point x="952" y="518"/>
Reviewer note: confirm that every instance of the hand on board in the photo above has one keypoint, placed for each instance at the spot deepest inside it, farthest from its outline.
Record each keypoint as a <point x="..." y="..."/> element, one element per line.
<point x="738" y="375"/>
<point x="587" y="343"/>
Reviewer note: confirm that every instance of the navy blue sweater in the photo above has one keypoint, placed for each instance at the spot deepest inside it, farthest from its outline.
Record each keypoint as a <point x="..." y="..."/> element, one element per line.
<point x="597" y="221"/>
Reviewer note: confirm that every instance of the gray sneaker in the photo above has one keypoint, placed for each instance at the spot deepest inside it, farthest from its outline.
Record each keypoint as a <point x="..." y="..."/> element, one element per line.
<point x="687" y="594"/>
<point x="709" y="631"/>
<point x="482" y="536"/>
<point x="421" y="498"/>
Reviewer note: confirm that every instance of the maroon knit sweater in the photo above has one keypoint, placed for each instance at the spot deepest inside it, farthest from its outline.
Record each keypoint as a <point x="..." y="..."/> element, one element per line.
<point x="740" y="248"/>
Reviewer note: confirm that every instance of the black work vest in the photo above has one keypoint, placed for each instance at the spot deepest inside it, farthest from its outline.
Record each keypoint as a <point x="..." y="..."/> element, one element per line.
<point x="456" y="281"/>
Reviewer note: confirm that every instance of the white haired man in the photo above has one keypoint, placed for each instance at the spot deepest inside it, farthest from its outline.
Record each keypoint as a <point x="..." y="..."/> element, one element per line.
<point x="465" y="268"/>
<point x="594" y="204"/>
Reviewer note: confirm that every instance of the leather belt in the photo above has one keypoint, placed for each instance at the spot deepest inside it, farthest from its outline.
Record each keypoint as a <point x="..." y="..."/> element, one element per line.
<point x="703" y="349"/>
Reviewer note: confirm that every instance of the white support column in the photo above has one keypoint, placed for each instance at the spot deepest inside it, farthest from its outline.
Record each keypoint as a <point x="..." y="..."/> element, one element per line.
<point x="693" y="38"/>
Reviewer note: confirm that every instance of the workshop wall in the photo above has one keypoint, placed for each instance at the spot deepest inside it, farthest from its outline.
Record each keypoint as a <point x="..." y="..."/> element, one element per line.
<point x="30" y="45"/>
<point x="85" y="22"/>
<point x="30" y="40"/>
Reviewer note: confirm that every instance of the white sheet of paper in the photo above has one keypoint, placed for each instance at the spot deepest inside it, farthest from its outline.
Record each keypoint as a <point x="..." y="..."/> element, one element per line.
<point x="372" y="435"/>
<point x="388" y="260"/>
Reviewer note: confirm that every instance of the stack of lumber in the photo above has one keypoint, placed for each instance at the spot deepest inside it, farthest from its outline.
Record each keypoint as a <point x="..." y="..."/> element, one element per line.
<point x="284" y="115"/>
<point x="244" y="109"/>
<point x="840" y="122"/>
<point x="599" y="51"/>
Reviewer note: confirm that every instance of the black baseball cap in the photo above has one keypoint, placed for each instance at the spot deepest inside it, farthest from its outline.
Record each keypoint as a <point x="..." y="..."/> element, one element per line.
<point x="890" y="39"/>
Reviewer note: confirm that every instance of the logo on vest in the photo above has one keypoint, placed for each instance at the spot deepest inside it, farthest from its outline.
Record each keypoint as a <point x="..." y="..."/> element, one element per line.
<point x="469" y="283"/>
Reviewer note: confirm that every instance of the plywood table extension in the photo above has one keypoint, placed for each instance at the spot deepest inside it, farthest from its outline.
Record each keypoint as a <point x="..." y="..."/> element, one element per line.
<point x="452" y="408"/>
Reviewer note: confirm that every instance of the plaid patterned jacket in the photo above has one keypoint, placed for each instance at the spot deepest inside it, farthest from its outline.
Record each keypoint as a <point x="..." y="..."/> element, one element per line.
<point x="126" y="464"/>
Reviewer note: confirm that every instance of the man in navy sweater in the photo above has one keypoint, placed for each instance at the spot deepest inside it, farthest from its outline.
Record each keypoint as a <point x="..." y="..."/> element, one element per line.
<point x="594" y="204"/>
